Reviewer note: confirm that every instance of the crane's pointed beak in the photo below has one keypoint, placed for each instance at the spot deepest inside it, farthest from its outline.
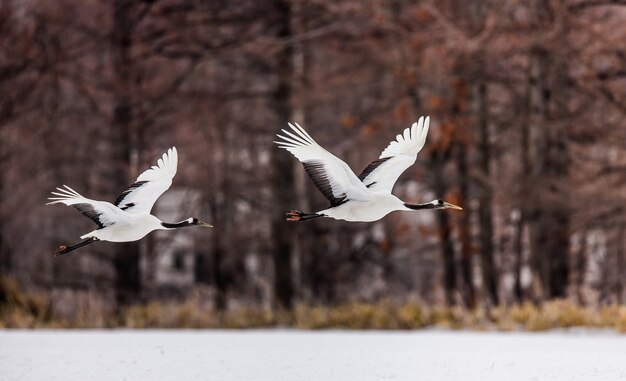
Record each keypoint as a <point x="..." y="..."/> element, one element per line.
<point x="447" y="205"/>
<point x="204" y="224"/>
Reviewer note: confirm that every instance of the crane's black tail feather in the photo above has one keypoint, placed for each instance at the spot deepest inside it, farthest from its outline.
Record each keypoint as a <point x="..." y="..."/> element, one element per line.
<point x="298" y="215"/>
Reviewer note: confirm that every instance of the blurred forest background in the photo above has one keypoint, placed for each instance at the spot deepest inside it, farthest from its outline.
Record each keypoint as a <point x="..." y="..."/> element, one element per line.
<point x="528" y="135"/>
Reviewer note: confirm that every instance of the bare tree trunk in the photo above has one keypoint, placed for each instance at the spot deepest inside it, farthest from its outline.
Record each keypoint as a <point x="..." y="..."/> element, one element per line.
<point x="218" y="274"/>
<point x="126" y="259"/>
<point x="309" y="236"/>
<point x="5" y="254"/>
<point x="620" y="241"/>
<point x="548" y="91"/>
<point x="485" y="198"/>
<point x="537" y="147"/>
<point x="526" y="195"/>
<point x="581" y="267"/>
<point x="6" y="112"/>
<point x="469" y="293"/>
<point x="438" y="159"/>
<point x="445" y="232"/>
<point x="518" y="251"/>
<point x="558" y="164"/>
<point x="459" y="109"/>
<point x="282" y="164"/>
<point x="215" y="265"/>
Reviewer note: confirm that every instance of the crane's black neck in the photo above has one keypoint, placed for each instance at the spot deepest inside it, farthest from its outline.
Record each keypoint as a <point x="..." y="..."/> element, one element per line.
<point x="181" y="224"/>
<point x="421" y="206"/>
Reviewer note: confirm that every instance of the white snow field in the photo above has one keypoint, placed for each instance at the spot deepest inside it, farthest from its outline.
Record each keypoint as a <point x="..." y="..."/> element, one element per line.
<point x="310" y="355"/>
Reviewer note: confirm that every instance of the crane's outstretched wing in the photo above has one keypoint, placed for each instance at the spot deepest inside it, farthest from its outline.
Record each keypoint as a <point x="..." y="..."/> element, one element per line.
<point x="400" y="154"/>
<point x="332" y="176"/>
<point x="150" y="185"/>
<point x="101" y="212"/>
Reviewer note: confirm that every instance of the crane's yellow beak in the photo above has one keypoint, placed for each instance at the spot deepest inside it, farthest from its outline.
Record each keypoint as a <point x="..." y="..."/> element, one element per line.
<point x="447" y="205"/>
<point x="204" y="224"/>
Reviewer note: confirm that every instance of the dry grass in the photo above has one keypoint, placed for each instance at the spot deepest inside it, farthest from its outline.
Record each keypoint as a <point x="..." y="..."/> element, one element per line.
<point x="19" y="309"/>
<point x="188" y="315"/>
<point x="23" y="310"/>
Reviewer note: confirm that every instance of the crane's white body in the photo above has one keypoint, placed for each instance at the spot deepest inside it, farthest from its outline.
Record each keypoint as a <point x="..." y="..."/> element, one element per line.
<point x="129" y="219"/>
<point x="133" y="228"/>
<point x="366" y="197"/>
<point x="377" y="206"/>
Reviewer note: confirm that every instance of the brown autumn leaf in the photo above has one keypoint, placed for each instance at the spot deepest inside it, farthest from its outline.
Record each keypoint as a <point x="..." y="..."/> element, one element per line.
<point x="385" y="246"/>
<point x="416" y="42"/>
<point x="427" y="230"/>
<point x="446" y="136"/>
<point x="436" y="102"/>
<point x="402" y="229"/>
<point x="400" y="112"/>
<point x="410" y="77"/>
<point x="422" y="16"/>
<point x="369" y="129"/>
<point x="348" y="121"/>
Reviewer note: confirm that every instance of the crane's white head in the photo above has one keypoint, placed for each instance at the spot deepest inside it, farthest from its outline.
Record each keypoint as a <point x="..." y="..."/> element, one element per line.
<point x="440" y="204"/>
<point x="193" y="221"/>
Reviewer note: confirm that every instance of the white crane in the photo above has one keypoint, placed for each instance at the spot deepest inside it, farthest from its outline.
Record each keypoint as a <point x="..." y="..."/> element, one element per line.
<point x="366" y="197"/>
<point x="129" y="218"/>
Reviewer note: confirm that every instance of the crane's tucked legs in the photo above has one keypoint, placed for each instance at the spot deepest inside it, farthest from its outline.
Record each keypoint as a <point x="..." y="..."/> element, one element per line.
<point x="298" y="215"/>
<point x="66" y="249"/>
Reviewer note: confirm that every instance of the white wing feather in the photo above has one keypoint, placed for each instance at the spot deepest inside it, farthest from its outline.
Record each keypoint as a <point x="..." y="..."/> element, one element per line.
<point x="331" y="175"/>
<point x="150" y="185"/>
<point x="101" y="212"/>
<point x="399" y="155"/>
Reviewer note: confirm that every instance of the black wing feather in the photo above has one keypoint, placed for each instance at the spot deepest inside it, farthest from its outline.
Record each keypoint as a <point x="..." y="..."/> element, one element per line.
<point x="371" y="167"/>
<point x="120" y="199"/>
<point x="88" y="211"/>
<point x="317" y="173"/>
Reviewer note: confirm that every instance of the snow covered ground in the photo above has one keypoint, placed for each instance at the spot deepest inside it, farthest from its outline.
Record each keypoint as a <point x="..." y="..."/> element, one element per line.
<point x="306" y="355"/>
